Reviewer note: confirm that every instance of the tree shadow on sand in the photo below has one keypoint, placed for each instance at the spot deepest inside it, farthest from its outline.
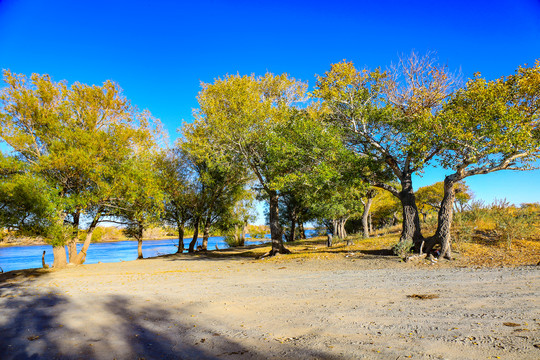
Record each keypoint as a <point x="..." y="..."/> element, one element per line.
<point x="255" y="252"/>
<point x="44" y="323"/>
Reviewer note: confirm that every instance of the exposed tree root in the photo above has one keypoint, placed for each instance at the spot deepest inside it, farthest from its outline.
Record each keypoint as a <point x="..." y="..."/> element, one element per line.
<point x="274" y="252"/>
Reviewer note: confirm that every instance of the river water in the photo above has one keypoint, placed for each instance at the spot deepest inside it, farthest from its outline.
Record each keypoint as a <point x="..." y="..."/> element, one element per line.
<point x="27" y="257"/>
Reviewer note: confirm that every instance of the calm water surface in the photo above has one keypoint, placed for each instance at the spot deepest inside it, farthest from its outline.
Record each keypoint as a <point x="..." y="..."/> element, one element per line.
<point x="27" y="257"/>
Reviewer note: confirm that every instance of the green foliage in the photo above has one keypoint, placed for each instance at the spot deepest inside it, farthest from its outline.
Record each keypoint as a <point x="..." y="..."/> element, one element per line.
<point x="58" y="234"/>
<point x="387" y="117"/>
<point x="511" y="223"/>
<point x="385" y="210"/>
<point x="403" y="248"/>
<point x="140" y="199"/>
<point x="27" y="206"/>
<point x="464" y="230"/>
<point x="98" y="233"/>
<point x="232" y="241"/>
<point x="255" y="124"/>
<point x="175" y="175"/>
<point x="257" y="232"/>
<point x="492" y="125"/>
<point x="429" y="198"/>
<point x="499" y="222"/>
<point x="253" y="121"/>
<point x="74" y="139"/>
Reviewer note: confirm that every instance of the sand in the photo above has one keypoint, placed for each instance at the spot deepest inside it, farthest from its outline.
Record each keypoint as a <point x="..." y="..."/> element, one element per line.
<point x="194" y="307"/>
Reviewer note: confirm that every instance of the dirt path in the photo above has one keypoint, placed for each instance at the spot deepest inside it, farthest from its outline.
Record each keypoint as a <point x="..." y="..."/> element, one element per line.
<point x="190" y="307"/>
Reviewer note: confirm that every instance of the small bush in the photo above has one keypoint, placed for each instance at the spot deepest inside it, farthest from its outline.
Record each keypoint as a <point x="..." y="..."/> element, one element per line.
<point x="257" y="231"/>
<point x="463" y="228"/>
<point x="232" y="241"/>
<point x="511" y="224"/>
<point x="403" y="248"/>
<point x="97" y="235"/>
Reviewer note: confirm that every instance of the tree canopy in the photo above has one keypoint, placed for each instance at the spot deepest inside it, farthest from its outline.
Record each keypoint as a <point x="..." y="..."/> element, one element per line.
<point x="389" y="118"/>
<point x="75" y="138"/>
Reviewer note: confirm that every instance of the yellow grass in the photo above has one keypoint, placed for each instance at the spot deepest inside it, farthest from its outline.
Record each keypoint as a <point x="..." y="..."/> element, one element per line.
<point x="521" y="252"/>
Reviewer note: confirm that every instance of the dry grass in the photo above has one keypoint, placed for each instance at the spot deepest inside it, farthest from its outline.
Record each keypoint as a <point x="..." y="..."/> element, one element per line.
<point x="474" y="253"/>
<point x="520" y="252"/>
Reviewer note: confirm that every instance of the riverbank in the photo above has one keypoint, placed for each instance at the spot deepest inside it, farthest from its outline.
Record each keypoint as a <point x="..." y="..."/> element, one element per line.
<point x="41" y="242"/>
<point x="346" y="303"/>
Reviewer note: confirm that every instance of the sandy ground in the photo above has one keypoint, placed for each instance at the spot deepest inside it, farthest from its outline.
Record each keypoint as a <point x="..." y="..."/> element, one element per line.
<point x="193" y="307"/>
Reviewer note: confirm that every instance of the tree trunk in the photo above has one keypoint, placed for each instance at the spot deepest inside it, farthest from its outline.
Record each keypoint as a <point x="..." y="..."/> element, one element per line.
<point x="342" y="231"/>
<point x="301" y="230"/>
<point x="180" y="240"/>
<point x="243" y="235"/>
<point x="411" y="221"/>
<point x="60" y="259"/>
<point x="276" y="232"/>
<point x="81" y="256"/>
<point x="139" y="249"/>
<point x="293" y="228"/>
<point x="72" y="250"/>
<point x="370" y="223"/>
<point x="365" y="214"/>
<point x="72" y="244"/>
<point x="206" y="235"/>
<point x="335" y="227"/>
<point x="195" y="237"/>
<point x="444" y="221"/>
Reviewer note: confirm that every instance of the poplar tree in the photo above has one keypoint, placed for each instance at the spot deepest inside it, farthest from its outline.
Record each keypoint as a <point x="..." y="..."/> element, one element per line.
<point x="487" y="126"/>
<point x="388" y="118"/>
<point x="75" y="138"/>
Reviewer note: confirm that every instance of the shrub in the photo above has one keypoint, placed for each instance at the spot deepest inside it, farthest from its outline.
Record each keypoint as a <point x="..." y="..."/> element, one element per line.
<point x="510" y="224"/>
<point x="463" y="228"/>
<point x="257" y="231"/>
<point x="232" y="241"/>
<point x="403" y="248"/>
<point x="97" y="235"/>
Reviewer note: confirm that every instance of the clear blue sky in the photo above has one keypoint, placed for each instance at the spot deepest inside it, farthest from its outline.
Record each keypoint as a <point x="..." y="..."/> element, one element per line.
<point x="160" y="51"/>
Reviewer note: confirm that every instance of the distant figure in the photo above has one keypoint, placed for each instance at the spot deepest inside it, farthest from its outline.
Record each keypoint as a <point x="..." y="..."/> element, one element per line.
<point x="45" y="266"/>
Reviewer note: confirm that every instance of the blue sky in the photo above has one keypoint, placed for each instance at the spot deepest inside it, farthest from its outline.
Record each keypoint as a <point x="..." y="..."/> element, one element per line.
<point x="160" y="51"/>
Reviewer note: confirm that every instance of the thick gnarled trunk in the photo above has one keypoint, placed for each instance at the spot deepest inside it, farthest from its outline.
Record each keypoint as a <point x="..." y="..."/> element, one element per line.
<point x="60" y="259"/>
<point x="276" y="232"/>
<point x="444" y="221"/>
<point x="411" y="221"/>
